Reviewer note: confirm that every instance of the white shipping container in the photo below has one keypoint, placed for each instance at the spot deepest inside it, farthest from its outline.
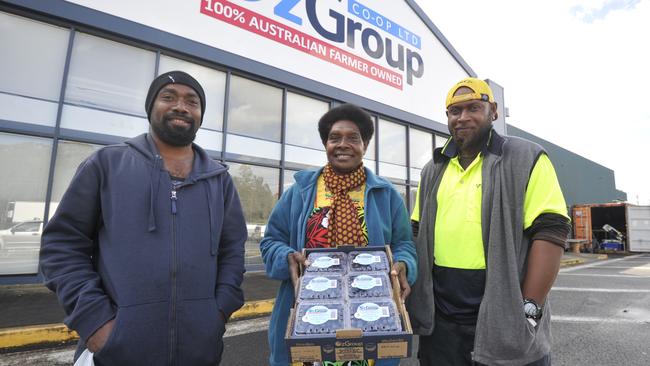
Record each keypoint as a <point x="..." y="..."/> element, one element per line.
<point x="638" y="228"/>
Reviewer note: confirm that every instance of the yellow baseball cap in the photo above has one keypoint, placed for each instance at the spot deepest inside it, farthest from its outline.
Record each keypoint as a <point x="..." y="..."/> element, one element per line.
<point x="481" y="91"/>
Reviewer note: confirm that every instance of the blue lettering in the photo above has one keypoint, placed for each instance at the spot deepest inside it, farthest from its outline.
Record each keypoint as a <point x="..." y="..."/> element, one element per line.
<point x="376" y="19"/>
<point x="365" y="36"/>
<point x="410" y="71"/>
<point x="352" y="26"/>
<point x="354" y="8"/>
<point x="338" y="35"/>
<point x="399" y="63"/>
<point x="283" y="9"/>
<point x="374" y="45"/>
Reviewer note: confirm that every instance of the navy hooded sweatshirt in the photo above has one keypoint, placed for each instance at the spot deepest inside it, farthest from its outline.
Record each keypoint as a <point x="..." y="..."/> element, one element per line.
<point x="166" y="265"/>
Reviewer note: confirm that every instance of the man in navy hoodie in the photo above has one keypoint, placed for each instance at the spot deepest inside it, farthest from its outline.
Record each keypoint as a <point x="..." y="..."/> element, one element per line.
<point x="146" y="249"/>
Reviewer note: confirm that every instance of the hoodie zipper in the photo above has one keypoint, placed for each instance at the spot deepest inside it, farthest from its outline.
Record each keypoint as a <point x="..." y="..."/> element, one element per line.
<point x="172" y="328"/>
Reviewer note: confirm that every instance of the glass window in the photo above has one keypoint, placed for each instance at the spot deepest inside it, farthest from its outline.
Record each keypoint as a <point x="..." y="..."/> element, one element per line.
<point x="109" y="75"/>
<point x="27" y="227"/>
<point x="213" y="83"/>
<point x="371" y="151"/>
<point x="370" y="164"/>
<point x="258" y="191"/>
<point x="27" y="72"/>
<point x="25" y="163"/>
<point x="370" y="157"/>
<point x="392" y="150"/>
<point x="421" y="151"/>
<point x="209" y="139"/>
<point x="303" y="114"/>
<point x="288" y="179"/>
<point x="248" y="146"/>
<point x="27" y="110"/>
<point x="304" y="145"/>
<point x="415" y="174"/>
<point x="440" y="141"/>
<point x="77" y="118"/>
<point x="254" y="109"/>
<point x="68" y="157"/>
<point x="421" y="147"/>
<point x="305" y="156"/>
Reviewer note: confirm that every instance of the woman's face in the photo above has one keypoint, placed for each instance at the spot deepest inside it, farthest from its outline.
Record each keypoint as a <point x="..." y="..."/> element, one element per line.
<point x="345" y="147"/>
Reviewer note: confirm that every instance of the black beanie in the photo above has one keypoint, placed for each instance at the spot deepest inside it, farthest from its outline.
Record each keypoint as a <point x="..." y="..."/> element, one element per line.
<point x="173" y="77"/>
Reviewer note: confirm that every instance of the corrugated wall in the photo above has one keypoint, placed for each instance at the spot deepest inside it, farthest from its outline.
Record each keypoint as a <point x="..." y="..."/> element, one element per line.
<point x="582" y="180"/>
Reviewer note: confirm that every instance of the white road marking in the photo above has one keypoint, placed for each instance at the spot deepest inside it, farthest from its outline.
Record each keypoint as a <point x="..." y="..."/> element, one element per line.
<point x="591" y="319"/>
<point x="593" y="289"/>
<point x="641" y="262"/>
<point x="247" y="326"/>
<point x="600" y="263"/>
<point x="647" y="266"/>
<point x="39" y="357"/>
<point x="602" y="275"/>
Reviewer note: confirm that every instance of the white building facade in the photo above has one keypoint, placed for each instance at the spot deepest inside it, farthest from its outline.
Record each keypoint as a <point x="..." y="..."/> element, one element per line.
<point x="75" y="75"/>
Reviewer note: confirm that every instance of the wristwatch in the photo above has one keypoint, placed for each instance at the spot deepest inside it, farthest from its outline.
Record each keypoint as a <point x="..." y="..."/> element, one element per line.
<point x="531" y="309"/>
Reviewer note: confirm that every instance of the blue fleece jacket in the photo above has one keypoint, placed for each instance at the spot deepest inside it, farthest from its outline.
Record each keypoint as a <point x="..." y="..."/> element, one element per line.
<point x="387" y="222"/>
<point x="119" y="246"/>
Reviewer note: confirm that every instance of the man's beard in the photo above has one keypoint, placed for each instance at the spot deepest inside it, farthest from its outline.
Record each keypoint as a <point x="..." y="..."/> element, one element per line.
<point x="476" y="141"/>
<point x="174" y="136"/>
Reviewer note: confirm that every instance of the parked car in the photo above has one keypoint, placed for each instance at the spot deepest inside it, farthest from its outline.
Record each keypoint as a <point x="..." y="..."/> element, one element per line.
<point x="255" y="231"/>
<point x="24" y="235"/>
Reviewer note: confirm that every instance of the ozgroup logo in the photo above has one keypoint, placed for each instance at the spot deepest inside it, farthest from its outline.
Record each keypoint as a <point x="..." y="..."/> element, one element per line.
<point x="348" y="343"/>
<point x="390" y="51"/>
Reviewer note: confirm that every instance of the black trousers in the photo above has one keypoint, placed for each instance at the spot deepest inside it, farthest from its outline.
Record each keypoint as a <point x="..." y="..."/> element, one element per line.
<point x="451" y="344"/>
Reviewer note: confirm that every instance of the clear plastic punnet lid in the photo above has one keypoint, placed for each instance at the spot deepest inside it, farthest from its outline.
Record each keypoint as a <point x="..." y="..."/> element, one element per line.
<point x="374" y="315"/>
<point x="319" y="318"/>
<point x="323" y="286"/>
<point x="326" y="262"/>
<point x="366" y="261"/>
<point x="368" y="284"/>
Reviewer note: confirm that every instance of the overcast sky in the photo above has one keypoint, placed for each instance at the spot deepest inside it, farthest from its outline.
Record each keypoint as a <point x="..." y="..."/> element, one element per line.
<point x="575" y="73"/>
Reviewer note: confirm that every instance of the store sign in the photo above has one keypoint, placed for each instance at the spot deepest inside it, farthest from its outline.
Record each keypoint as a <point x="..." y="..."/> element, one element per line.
<point x="394" y="46"/>
<point x="380" y="50"/>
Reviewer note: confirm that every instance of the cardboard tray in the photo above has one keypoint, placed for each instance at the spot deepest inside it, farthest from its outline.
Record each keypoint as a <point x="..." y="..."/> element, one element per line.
<point x="351" y="344"/>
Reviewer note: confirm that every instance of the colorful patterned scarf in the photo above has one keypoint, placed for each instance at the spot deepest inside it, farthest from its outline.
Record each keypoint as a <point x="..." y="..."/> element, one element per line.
<point x="344" y="227"/>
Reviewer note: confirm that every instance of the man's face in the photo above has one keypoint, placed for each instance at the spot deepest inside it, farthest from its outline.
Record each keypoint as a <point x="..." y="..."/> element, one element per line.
<point x="345" y="147"/>
<point x="176" y="114"/>
<point x="470" y="122"/>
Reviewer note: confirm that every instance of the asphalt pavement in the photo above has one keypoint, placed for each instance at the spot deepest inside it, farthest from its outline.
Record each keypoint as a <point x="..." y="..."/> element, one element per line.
<point x="601" y="313"/>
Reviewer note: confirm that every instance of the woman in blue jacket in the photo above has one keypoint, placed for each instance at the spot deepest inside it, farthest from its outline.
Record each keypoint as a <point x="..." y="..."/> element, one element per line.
<point x="340" y="203"/>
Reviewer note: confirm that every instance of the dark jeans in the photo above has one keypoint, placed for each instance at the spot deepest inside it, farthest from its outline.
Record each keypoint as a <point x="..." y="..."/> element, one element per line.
<point x="451" y="344"/>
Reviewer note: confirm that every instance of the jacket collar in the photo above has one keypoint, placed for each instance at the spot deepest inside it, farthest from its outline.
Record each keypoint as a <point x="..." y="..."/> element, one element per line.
<point x="203" y="166"/>
<point x="494" y="145"/>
